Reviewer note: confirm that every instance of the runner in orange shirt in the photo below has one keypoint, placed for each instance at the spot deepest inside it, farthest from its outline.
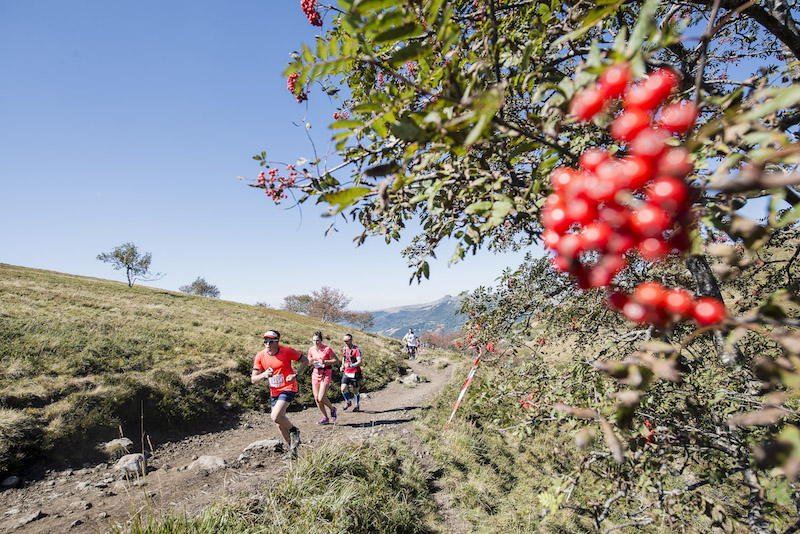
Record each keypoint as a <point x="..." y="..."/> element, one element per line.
<point x="322" y="358"/>
<point x="274" y="363"/>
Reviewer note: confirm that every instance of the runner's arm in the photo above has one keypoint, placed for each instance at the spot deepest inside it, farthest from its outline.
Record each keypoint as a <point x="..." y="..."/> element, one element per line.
<point x="303" y="364"/>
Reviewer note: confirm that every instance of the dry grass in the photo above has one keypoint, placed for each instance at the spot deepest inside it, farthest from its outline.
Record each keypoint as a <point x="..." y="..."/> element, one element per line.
<point x="82" y="357"/>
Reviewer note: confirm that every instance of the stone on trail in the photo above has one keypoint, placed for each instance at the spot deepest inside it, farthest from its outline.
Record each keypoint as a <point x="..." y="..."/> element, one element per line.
<point x="30" y="518"/>
<point x="132" y="464"/>
<point x="265" y="445"/>
<point x="208" y="464"/>
<point x="10" y="482"/>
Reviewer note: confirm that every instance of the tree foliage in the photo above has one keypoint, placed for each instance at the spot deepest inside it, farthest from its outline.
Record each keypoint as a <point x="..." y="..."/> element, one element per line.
<point x="456" y="113"/>
<point x="202" y="288"/>
<point x="297" y="304"/>
<point x="329" y="305"/>
<point x="136" y="264"/>
<point x="361" y="320"/>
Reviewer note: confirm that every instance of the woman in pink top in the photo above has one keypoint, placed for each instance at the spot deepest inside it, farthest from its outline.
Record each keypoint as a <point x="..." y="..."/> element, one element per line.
<point x="322" y="358"/>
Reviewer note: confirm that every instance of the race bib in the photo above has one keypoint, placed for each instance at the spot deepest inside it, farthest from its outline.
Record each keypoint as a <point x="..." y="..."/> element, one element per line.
<point x="350" y="375"/>
<point x="276" y="381"/>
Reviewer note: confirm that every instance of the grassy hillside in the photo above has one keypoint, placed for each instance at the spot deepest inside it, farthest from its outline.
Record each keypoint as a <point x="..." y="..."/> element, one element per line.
<point x="83" y="358"/>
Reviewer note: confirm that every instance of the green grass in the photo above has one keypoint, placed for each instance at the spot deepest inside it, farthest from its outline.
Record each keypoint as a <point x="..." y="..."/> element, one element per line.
<point x="375" y="487"/>
<point x="81" y="357"/>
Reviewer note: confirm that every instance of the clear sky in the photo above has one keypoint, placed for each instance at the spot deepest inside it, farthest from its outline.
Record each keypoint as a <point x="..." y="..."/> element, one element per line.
<point x="126" y="121"/>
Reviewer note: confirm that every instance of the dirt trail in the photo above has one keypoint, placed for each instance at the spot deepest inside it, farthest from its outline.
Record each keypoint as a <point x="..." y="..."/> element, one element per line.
<point x="91" y="500"/>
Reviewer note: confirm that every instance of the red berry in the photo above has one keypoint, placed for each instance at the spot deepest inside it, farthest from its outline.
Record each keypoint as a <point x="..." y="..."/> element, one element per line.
<point x="592" y="157"/>
<point x="653" y="249"/>
<point x="651" y="92"/>
<point x="650" y="294"/>
<point x="562" y="264"/>
<point x="708" y="310"/>
<point x="555" y="218"/>
<point x="587" y="103"/>
<point x="617" y="300"/>
<point x="620" y="243"/>
<point x="569" y="246"/>
<point x="650" y="221"/>
<point x="678" y="302"/>
<point x="679" y="117"/>
<point x="615" y="215"/>
<point x="629" y="123"/>
<point x="634" y="172"/>
<point x="594" y="236"/>
<point x="650" y="143"/>
<point x="614" y="80"/>
<point x="675" y="162"/>
<point x="550" y="239"/>
<point x="600" y="189"/>
<point x="671" y="194"/>
<point x="580" y="210"/>
<point x="634" y="311"/>
<point x="562" y="177"/>
<point x="605" y="271"/>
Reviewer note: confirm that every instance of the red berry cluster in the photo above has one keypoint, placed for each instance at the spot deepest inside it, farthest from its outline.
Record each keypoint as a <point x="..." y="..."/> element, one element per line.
<point x="612" y="205"/>
<point x="310" y="10"/>
<point x="341" y="115"/>
<point x="651" y="436"/>
<point x="653" y="303"/>
<point x="291" y="81"/>
<point x="275" y="184"/>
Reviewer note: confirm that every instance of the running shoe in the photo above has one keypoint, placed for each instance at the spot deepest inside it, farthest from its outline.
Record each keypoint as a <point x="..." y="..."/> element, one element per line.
<point x="346" y="406"/>
<point x="294" y="436"/>
<point x="356" y="409"/>
<point x="291" y="455"/>
<point x="333" y="414"/>
<point x="323" y="421"/>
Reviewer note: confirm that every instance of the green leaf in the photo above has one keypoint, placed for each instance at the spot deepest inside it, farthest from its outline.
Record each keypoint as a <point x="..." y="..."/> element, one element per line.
<point x="406" y="130"/>
<point x="373" y="6"/>
<point x="367" y="107"/>
<point x="477" y="130"/>
<point x="345" y="198"/>
<point x="407" y="53"/>
<point x="479" y="208"/>
<point x="645" y="23"/>
<point x="409" y="29"/>
<point x="591" y="19"/>
<point x="782" y="98"/>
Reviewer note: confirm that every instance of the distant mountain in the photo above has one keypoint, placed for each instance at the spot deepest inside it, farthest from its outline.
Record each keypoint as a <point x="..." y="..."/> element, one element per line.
<point x="440" y="315"/>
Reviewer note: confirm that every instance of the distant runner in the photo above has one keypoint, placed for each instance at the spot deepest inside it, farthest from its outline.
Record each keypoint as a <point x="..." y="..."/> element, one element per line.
<point x="322" y="358"/>
<point x="351" y="372"/>
<point x="412" y="342"/>
<point x="275" y="364"/>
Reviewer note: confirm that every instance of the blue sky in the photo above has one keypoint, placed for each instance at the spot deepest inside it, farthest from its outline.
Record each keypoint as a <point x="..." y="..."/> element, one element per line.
<point x="130" y="121"/>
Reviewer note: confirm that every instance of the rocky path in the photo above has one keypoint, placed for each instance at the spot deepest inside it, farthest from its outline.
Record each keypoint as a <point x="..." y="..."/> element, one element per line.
<point x="191" y="474"/>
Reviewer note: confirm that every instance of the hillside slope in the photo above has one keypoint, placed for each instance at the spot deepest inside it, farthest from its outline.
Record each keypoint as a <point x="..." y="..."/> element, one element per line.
<point x="82" y="359"/>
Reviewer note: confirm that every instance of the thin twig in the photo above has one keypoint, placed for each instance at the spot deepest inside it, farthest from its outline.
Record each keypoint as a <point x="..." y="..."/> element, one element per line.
<point x="703" y="47"/>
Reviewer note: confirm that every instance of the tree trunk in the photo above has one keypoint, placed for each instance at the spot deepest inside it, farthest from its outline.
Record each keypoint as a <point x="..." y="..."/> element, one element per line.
<point x="706" y="285"/>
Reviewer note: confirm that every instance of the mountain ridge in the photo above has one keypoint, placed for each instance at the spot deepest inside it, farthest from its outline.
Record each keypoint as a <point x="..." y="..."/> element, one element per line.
<point x="440" y="316"/>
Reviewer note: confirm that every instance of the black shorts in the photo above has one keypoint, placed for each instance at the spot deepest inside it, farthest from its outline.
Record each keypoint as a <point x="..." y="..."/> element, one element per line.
<point x="347" y="381"/>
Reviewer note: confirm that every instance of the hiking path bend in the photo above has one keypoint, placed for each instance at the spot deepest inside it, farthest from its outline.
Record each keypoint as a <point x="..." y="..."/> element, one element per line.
<point x="92" y="499"/>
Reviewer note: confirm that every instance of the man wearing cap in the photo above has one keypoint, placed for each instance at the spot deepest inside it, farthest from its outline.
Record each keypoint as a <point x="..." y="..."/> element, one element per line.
<point x="351" y="371"/>
<point x="274" y="363"/>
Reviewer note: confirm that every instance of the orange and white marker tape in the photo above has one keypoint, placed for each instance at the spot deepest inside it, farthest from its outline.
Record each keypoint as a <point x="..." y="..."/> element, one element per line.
<point x="464" y="389"/>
